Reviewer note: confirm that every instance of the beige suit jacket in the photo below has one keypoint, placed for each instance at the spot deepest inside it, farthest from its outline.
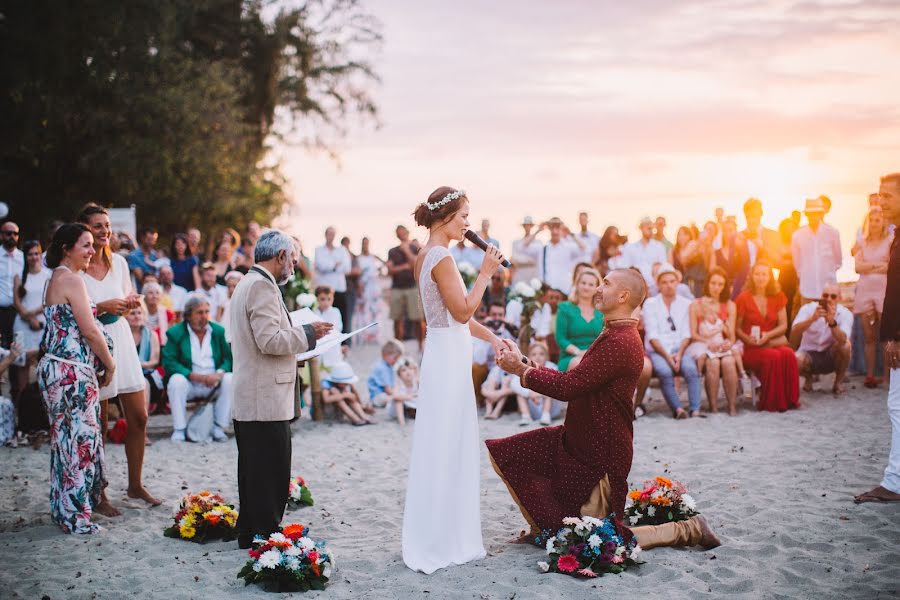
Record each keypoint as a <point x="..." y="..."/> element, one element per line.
<point x="264" y="345"/>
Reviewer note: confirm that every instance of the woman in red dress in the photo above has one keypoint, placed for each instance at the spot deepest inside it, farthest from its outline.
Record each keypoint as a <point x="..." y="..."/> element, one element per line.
<point x="761" y="326"/>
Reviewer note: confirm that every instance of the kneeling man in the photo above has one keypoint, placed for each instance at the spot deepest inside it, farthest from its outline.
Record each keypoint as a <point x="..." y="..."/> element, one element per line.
<point x="197" y="359"/>
<point x="581" y="468"/>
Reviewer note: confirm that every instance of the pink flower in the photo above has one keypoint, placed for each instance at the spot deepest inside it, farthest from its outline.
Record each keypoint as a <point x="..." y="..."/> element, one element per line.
<point x="587" y="572"/>
<point x="567" y="563"/>
<point x="618" y="560"/>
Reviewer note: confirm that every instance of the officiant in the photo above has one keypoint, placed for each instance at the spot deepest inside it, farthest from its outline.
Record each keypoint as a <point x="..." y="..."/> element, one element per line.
<point x="264" y="346"/>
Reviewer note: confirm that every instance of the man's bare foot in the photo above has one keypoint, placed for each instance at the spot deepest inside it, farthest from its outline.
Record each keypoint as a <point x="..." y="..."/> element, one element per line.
<point x="807" y="384"/>
<point x="709" y="540"/>
<point x="524" y="538"/>
<point x="879" y="494"/>
<point x="838" y="388"/>
<point x="106" y="509"/>
<point x="143" y="494"/>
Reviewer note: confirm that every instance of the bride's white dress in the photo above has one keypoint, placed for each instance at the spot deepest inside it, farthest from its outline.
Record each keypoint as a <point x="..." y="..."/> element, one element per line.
<point x="442" y="518"/>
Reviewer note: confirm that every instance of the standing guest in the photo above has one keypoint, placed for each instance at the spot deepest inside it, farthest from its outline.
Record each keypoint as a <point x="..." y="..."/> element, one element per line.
<point x="787" y="274"/>
<point x="265" y="346"/>
<point x="816" y="252"/>
<point x="173" y="296"/>
<point x="762" y="243"/>
<point x="368" y="304"/>
<point x="158" y="317"/>
<point x="761" y="326"/>
<point x="659" y="234"/>
<point x="667" y="324"/>
<point x="559" y="255"/>
<point x="109" y="286"/>
<point x="382" y="378"/>
<point x="872" y="259"/>
<point x="732" y="256"/>
<point x="644" y="253"/>
<point x="216" y="294"/>
<point x="231" y="281"/>
<point x="223" y="259"/>
<point x="147" y="344"/>
<point x="821" y="335"/>
<point x="185" y="266"/>
<point x="326" y="312"/>
<point x="485" y="233"/>
<point x="534" y="406"/>
<point x="608" y="255"/>
<point x="194" y="243"/>
<point x="589" y="239"/>
<point x="76" y="363"/>
<point x="405" y="304"/>
<point x="142" y="260"/>
<point x="332" y="263"/>
<point x="29" y="302"/>
<point x="889" y="490"/>
<point x="526" y="254"/>
<point x="12" y="262"/>
<point x="462" y="252"/>
<point x="690" y="259"/>
<point x="197" y="360"/>
<point x="352" y="278"/>
<point x="713" y="318"/>
<point x="578" y="322"/>
<point x="243" y="258"/>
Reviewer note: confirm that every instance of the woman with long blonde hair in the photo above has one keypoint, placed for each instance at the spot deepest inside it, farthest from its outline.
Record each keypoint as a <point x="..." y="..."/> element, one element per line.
<point x="578" y="323"/>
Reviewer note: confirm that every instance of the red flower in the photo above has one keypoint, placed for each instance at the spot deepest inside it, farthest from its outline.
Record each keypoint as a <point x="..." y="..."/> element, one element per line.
<point x="293" y="531"/>
<point x="567" y="563"/>
<point x="313" y="556"/>
<point x="254" y="554"/>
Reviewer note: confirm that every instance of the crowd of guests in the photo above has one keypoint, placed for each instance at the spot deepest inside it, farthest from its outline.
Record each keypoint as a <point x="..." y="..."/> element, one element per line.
<point x="98" y="316"/>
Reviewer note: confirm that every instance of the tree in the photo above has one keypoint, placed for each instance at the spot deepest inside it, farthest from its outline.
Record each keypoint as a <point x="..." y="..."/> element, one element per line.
<point x="171" y="104"/>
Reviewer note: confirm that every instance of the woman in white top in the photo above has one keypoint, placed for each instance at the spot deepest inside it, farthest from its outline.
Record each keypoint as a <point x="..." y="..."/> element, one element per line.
<point x="444" y="467"/>
<point x="109" y="285"/>
<point x="28" y="299"/>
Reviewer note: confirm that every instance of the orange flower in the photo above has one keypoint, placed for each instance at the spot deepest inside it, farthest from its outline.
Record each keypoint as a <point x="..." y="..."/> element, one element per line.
<point x="661" y="501"/>
<point x="663" y="481"/>
<point x="634" y="495"/>
<point x="293" y="531"/>
<point x="213" y="519"/>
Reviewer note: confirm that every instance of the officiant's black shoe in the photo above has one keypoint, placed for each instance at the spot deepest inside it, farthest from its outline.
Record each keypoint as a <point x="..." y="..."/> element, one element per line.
<point x="245" y="543"/>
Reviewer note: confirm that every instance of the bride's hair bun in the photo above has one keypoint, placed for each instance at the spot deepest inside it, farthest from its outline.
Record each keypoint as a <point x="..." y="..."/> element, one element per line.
<point x="426" y="216"/>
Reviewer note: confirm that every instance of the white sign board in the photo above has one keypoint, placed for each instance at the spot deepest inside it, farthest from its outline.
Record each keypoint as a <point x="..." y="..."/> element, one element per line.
<point x="124" y="219"/>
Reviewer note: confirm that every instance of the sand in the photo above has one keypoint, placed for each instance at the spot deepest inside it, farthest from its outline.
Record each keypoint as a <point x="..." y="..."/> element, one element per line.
<point x="777" y="488"/>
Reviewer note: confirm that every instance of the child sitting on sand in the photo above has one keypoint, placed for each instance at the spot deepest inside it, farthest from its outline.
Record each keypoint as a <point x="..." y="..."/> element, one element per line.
<point x="382" y="378"/>
<point x="496" y="390"/>
<point x="406" y="389"/>
<point x="534" y="406"/>
<point x="338" y="389"/>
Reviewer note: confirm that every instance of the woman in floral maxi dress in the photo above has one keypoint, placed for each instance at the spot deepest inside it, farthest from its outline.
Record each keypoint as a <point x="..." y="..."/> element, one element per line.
<point x="75" y="351"/>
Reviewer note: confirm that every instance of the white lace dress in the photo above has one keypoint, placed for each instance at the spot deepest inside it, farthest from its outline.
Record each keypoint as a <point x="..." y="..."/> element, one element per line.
<point x="442" y="518"/>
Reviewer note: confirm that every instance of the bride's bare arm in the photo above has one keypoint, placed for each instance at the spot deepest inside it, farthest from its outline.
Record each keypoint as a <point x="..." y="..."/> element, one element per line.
<point x="462" y="306"/>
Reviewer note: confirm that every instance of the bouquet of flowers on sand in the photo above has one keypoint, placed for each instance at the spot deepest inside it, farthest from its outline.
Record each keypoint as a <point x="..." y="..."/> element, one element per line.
<point x="288" y="561"/>
<point x="661" y="501"/>
<point x="588" y="547"/>
<point x="468" y="272"/>
<point x="204" y="516"/>
<point x="298" y="493"/>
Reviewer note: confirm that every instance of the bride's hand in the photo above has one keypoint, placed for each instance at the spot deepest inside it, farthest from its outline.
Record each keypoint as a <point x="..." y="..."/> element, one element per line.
<point x="492" y="259"/>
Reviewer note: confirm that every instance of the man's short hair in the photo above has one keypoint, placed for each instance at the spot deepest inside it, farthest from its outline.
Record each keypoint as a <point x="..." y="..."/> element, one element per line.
<point x="270" y="244"/>
<point x="323" y="289"/>
<point x="497" y="303"/>
<point x="752" y="203"/>
<point x="392" y="346"/>
<point x="632" y="281"/>
<point x="192" y="303"/>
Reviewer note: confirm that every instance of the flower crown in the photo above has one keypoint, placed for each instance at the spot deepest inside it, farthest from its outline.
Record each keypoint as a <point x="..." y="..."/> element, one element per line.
<point x="446" y="199"/>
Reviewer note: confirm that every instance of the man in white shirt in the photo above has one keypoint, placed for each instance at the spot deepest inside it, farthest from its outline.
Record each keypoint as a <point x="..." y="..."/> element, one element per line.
<point x="174" y="295"/>
<point x="485" y="233"/>
<point x="816" y="251"/>
<point x="332" y="263"/>
<point x="659" y="234"/>
<point x="12" y="263"/>
<point x="644" y="253"/>
<point x="590" y="239"/>
<point x="559" y="256"/>
<point x="215" y="294"/>
<point x="526" y="253"/>
<point x="821" y="336"/>
<point x="464" y="253"/>
<point x="667" y="327"/>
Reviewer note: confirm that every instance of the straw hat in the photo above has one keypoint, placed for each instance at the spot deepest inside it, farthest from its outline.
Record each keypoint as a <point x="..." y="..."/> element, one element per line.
<point x="342" y="372"/>
<point x="814" y="205"/>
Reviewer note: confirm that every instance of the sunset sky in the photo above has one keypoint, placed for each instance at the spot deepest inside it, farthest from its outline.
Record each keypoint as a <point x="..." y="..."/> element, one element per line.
<point x="621" y="109"/>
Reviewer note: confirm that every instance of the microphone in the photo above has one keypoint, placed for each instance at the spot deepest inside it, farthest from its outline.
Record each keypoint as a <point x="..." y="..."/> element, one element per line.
<point x="473" y="237"/>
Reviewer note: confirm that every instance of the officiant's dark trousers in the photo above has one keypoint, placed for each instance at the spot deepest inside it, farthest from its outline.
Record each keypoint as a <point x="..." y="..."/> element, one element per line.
<point x="264" y="474"/>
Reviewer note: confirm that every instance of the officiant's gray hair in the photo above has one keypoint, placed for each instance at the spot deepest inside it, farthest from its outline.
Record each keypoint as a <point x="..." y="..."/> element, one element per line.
<point x="271" y="243"/>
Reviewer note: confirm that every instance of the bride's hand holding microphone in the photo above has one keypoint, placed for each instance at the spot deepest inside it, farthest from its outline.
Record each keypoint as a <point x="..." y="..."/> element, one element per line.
<point x="493" y="258"/>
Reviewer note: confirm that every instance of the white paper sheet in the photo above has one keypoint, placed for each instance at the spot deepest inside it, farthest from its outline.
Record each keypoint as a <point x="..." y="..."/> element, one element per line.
<point x="330" y="341"/>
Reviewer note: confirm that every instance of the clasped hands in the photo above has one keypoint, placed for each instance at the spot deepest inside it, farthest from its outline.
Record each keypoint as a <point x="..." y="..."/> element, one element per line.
<point x="509" y="358"/>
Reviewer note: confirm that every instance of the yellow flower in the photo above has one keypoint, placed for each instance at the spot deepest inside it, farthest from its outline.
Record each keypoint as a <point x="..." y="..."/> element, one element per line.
<point x="188" y="532"/>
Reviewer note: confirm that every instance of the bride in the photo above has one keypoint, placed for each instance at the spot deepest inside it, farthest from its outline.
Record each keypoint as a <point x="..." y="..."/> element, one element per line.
<point x="442" y="518"/>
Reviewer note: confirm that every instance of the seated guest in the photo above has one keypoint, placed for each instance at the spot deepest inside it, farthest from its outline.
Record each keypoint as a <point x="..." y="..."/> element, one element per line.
<point x="185" y="266"/>
<point x="406" y="391"/>
<point x="158" y="317"/>
<point x="197" y="359"/>
<point x="147" y="344"/>
<point x="326" y="311"/>
<point x="821" y="335"/>
<point x="142" y="260"/>
<point x="216" y="295"/>
<point x="668" y="332"/>
<point x="761" y="325"/>
<point x="496" y="390"/>
<point x="382" y="379"/>
<point x="231" y="281"/>
<point x="498" y="291"/>
<point x="534" y="406"/>
<point x="338" y="389"/>
<point x="173" y="296"/>
<point x="578" y="322"/>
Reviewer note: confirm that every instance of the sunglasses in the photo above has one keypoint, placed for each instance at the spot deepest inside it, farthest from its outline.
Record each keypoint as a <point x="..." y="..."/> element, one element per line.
<point x="671" y="323"/>
<point x="829" y="296"/>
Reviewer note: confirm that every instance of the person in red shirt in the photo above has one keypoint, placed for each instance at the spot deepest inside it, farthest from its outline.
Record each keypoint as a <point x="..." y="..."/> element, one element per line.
<point x="581" y="468"/>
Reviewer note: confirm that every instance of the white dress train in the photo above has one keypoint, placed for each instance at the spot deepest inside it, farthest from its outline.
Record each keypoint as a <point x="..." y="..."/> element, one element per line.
<point x="442" y="517"/>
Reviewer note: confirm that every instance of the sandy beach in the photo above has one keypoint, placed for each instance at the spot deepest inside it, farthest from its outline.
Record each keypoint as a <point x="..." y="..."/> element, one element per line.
<point x="777" y="488"/>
